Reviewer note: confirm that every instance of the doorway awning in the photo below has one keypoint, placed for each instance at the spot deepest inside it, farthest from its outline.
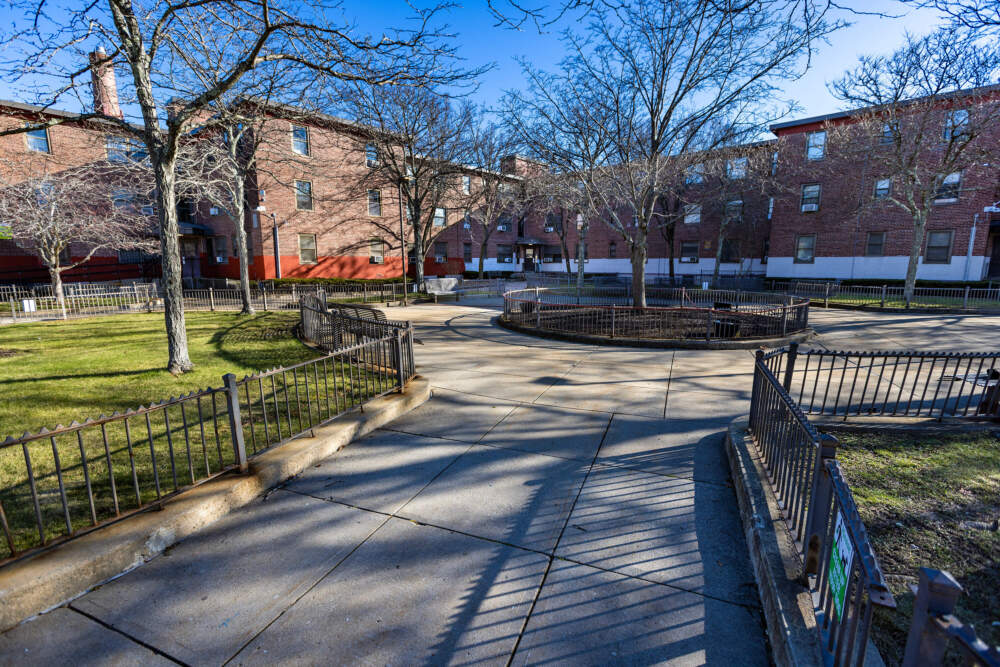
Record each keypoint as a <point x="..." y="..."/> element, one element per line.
<point x="194" y="228"/>
<point x="527" y="240"/>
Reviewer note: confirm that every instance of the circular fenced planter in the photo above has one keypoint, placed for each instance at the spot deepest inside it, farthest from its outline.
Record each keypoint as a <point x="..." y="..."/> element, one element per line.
<point x="672" y="317"/>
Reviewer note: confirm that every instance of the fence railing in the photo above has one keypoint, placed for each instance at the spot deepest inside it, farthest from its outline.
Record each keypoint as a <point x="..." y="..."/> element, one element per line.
<point x="838" y="560"/>
<point x="86" y="303"/>
<point x="885" y="296"/>
<point x="894" y="383"/>
<point x="63" y="482"/>
<point x="671" y="313"/>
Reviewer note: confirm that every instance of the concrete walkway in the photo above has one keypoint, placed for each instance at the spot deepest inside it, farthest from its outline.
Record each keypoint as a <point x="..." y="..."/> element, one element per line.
<point x="553" y="503"/>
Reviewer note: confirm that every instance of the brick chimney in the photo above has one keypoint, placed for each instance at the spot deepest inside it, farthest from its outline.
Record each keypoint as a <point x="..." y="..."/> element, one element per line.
<point x="102" y="77"/>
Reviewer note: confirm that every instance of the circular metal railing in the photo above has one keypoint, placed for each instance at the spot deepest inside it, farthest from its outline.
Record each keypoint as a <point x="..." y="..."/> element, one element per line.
<point x="670" y="313"/>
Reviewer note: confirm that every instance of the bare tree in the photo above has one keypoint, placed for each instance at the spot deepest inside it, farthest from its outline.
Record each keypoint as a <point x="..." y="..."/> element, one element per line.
<point x="66" y="218"/>
<point x="151" y="44"/>
<point x="647" y="84"/>
<point x="965" y="14"/>
<point x="923" y="121"/>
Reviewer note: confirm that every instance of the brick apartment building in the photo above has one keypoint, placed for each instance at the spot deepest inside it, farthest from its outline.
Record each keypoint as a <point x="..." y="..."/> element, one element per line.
<point x="307" y="213"/>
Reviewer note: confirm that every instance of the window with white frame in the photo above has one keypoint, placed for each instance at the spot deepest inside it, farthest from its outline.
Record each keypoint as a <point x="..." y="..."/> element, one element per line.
<point x="303" y="196"/>
<point x="505" y="254"/>
<point x="889" y="132"/>
<point x="689" y="252"/>
<point x="300" y="139"/>
<point x="736" y="168"/>
<point x="733" y="211"/>
<point x="810" y="197"/>
<point x="376" y="251"/>
<point x="467" y="253"/>
<point x="875" y="244"/>
<point x="503" y="222"/>
<point x="467" y="219"/>
<point x="552" y="254"/>
<point x="938" y="250"/>
<point x="883" y="187"/>
<point x="307" y="248"/>
<point x="770" y="207"/>
<point x="375" y="203"/>
<point x="441" y="252"/>
<point x="805" y="248"/>
<point x="124" y="149"/>
<point x="694" y="174"/>
<point x="692" y="214"/>
<point x="552" y="223"/>
<point x="956" y="125"/>
<point x="371" y="156"/>
<point x="440" y="217"/>
<point x="816" y="145"/>
<point x="774" y="163"/>
<point x="466" y="185"/>
<point x="949" y="187"/>
<point x="38" y="139"/>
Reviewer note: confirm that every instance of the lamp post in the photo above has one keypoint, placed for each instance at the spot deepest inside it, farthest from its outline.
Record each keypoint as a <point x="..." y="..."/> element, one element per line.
<point x="402" y="239"/>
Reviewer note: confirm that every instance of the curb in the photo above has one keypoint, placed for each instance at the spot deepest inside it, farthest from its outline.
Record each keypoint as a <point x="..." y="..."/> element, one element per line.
<point x="53" y="577"/>
<point x="666" y="343"/>
<point x="918" y="310"/>
<point x="787" y="605"/>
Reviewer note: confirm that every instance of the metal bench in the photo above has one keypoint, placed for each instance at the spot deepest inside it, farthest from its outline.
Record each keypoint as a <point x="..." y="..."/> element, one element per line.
<point x="438" y="287"/>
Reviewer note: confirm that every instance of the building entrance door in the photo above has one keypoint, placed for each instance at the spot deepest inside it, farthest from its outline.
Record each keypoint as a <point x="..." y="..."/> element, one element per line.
<point x="995" y="257"/>
<point x="529" y="259"/>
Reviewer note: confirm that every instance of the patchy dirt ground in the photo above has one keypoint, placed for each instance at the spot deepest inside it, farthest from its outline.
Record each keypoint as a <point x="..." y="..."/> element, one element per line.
<point x="930" y="501"/>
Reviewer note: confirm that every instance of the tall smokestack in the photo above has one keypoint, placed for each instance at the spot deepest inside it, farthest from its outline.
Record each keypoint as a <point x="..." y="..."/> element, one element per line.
<point x="102" y="76"/>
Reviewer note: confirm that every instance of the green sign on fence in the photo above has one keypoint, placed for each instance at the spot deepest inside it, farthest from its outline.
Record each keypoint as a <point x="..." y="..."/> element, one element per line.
<point x="6" y="232"/>
<point x="841" y="559"/>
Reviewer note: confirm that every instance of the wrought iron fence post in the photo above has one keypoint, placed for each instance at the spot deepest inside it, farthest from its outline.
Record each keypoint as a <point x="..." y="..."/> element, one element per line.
<point x="937" y="594"/>
<point x="826" y="296"/>
<point x="538" y="310"/>
<point x="612" y="320"/>
<point x="819" y="504"/>
<point x="883" y="296"/>
<point x="793" y="353"/>
<point x="784" y="320"/>
<point x="235" y="420"/>
<point x="211" y="299"/>
<point x="397" y="349"/>
<point x="965" y="299"/>
<point x="13" y="310"/>
<point x="263" y="294"/>
<point x="755" y="391"/>
<point x="708" y="326"/>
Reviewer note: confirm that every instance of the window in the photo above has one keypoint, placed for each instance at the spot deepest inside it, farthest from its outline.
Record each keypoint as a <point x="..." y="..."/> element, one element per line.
<point x="552" y="222"/>
<point x="692" y="214"/>
<point x="810" y="198"/>
<point x="371" y="158"/>
<point x="300" y="139"/>
<point x="883" y="187"/>
<point x="552" y="254"/>
<point x="135" y="257"/>
<point x="875" y="246"/>
<point x="255" y="219"/>
<point x="505" y="254"/>
<point x="612" y="250"/>
<point x="467" y="253"/>
<point x="185" y="211"/>
<point x="695" y="174"/>
<point x="689" y="251"/>
<point x="220" y="247"/>
<point x="122" y="200"/>
<point x="441" y="251"/>
<point x="307" y="248"/>
<point x="805" y="248"/>
<point x="765" y="251"/>
<point x="816" y="145"/>
<point x="956" y="125"/>
<point x="733" y="211"/>
<point x="467" y="219"/>
<point x="466" y="185"/>
<point x="303" y="195"/>
<point x="938" y="247"/>
<point x="730" y="251"/>
<point x="38" y="140"/>
<point x="586" y="251"/>
<point x="949" y="188"/>
<point x="770" y="207"/>
<point x="774" y="163"/>
<point x="376" y="251"/>
<point x="124" y="149"/>
<point x="889" y="132"/>
<point x="503" y="222"/>
<point x="375" y="203"/>
<point x="440" y="217"/>
<point x="736" y="168"/>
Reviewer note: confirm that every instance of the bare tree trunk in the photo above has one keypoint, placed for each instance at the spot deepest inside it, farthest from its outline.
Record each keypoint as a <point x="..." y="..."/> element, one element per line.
<point x="239" y="222"/>
<point x="178" y="360"/>
<point x="718" y="257"/>
<point x="639" y="255"/>
<point x="55" y="277"/>
<point x="562" y="242"/>
<point x="919" y="229"/>
<point x="483" y="248"/>
<point x="669" y="238"/>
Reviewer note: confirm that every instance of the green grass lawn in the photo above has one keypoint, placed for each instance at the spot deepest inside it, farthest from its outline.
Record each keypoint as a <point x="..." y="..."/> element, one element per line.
<point x="928" y="501"/>
<point x="55" y="372"/>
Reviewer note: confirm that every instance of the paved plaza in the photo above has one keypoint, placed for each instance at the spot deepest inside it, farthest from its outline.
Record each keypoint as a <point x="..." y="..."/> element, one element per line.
<point x="552" y="503"/>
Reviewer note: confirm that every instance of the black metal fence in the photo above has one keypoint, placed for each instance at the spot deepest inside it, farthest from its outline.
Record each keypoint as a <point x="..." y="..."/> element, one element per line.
<point x="63" y="482"/>
<point x="893" y="383"/>
<point x="891" y="296"/>
<point x="670" y="313"/>
<point x="838" y="560"/>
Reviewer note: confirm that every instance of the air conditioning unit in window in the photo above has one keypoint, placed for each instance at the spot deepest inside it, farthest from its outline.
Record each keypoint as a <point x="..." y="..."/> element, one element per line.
<point x="148" y="210"/>
<point x="466" y="225"/>
<point x="213" y="211"/>
<point x="549" y="229"/>
<point x="810" y="208"/>
<point x="503" y="228"/>
<point x="220" y="260"/>
<point x="376" y="260"/>
<point x="689" y="260"/>
<point x="505" y="260"/>
<point x="440" y="259"/>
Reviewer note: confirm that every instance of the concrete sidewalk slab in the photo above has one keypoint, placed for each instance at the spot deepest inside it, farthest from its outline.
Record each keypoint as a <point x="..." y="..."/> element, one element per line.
<point x="507" y="387"/>
<point x="692" y="449"/>
<point x="586" y="616"/>
<point x="379" y="472"/>
<point x="504" y="495"/>
<point x="454" y="416"/>
<point x="719" y="407"/>
<point x="543" y="429"/>
<point x="65" y="637"/>
<point x="411" y="595"/>
<point x="669" y="530"/>
<point x="607" y="396"/>
<point x="201" y="601"/>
